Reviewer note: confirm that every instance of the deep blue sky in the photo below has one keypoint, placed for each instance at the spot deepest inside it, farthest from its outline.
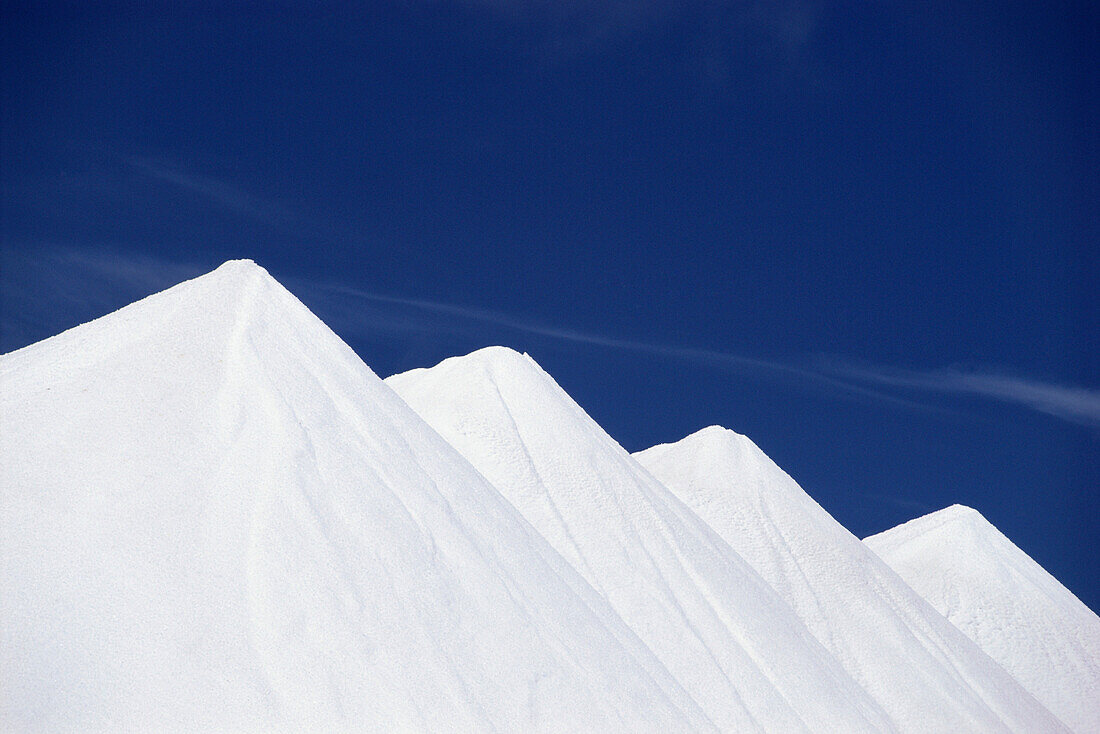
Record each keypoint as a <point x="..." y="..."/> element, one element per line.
<point x="863" y="233"/>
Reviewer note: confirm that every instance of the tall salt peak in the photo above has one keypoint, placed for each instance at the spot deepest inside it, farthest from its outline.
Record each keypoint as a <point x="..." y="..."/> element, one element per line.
<point x="924" y="673"/>
<point x="717" y="627"/>
<point x="1006" y="603"/>
<point x="214" y="516"/>
<point x="210" y="302"/>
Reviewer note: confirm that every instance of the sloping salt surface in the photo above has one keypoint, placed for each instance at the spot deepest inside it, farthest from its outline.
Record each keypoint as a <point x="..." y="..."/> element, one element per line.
<point x="214" y="516"/>
<point x="926" y="675"/>
<point x="709" y="618"/>
<point x="1004" y="601"/>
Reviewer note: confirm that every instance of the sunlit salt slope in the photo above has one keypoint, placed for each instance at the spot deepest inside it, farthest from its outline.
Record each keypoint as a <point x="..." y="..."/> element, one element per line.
<point x="710" y="619"/>
<point x="1007" y="603"/>
<point x="926" y="675"/>
<point x="214" y="516"/>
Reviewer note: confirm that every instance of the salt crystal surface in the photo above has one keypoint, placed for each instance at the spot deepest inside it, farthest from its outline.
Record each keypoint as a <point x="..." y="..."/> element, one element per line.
<point x="1007" y="603"/>
<point x="215" y="517"/>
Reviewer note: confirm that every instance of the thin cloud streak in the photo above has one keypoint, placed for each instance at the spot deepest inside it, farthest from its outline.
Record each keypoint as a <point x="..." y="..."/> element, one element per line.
<point x="246" y="204"/>
<point x="705" y="357"/>
<point x="562" y="31"/>
<point x="220" y="192"/>
<point x="47" y="289"/>
<point x="140" y="275"/>
<point x="1070" y="403"/>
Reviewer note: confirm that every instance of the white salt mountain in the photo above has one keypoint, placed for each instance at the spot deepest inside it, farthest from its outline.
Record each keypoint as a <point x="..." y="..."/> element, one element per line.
<point x="926" y="675"/>
<point x="714" y="623"/>
<point x="1007" y="603"/>
<point x="214" y="517"/>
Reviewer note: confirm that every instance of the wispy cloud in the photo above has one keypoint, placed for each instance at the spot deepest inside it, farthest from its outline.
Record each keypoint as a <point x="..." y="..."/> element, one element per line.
<point x="225" y="194"/>
<point x="1074" y="404"/>
<point x="122" y="277"/>
<point x="46" y="289"/>
<point x="139" y="273"/>
<point x="1070" y="403"/>
<point x="565" y="29"/>
<point x="704" y="357"/>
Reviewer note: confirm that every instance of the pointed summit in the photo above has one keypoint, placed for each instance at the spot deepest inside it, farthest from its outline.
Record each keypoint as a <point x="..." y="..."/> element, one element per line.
<point x="1007" y="603"/>
<point x="230" y="269"/>
<point x="503" y="358"/>
<point x="486" y="365"/>
<point x="713" y="435"/>
<point x="960" y="514"/>
<point x="717" y="627"/>
<point x="215" y="517"/>
<point x="196" y="317"/>
<point x="718" y="451"/>
<point x="714" y="441"/>
<point x="924" y="673"/>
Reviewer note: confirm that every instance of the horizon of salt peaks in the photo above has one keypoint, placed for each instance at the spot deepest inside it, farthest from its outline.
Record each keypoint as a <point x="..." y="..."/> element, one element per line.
<point x="215" y="515"/>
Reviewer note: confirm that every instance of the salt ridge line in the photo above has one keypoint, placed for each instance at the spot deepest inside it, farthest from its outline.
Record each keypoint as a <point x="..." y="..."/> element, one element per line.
<point x="923" y="671"/>
<point x="714" y="623"/>
<point x="214" y="516"/>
